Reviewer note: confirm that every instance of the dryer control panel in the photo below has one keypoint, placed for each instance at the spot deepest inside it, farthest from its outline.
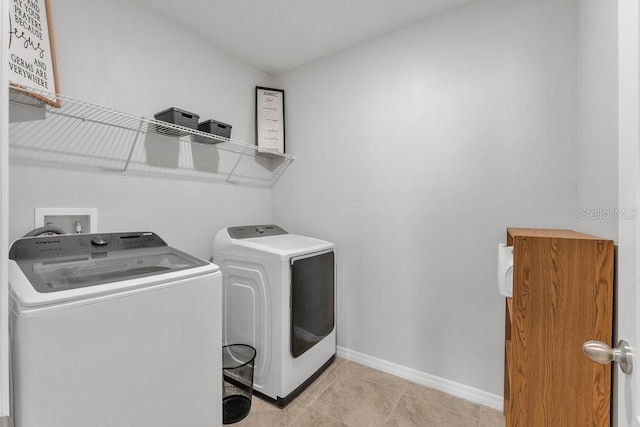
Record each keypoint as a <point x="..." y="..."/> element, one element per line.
<point x="249" y="231"/>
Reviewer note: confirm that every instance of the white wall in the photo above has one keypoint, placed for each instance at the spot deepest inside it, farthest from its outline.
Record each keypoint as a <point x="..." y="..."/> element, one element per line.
<point x="627" y="387"/>
<point x="414" y="152"/>
<point x="597" y="149"/>
<point x="5" y="405"/>
<point x="121" y="55"/>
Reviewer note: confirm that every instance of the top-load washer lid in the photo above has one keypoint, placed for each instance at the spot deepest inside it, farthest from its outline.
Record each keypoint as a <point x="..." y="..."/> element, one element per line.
<point x="53" y="264"/>
<point x="266" y="242"/>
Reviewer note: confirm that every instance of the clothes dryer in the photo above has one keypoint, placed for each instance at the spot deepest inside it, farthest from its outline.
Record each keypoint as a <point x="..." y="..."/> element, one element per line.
<point x="279" y="297"/>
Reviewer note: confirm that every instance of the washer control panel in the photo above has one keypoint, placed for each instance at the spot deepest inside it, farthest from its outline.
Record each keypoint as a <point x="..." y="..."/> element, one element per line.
<point x="79" y="244"/>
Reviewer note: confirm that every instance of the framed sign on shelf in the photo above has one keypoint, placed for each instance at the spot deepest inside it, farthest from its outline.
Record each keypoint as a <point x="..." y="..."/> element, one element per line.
<point x="32" y="58"/>
<point x="270" y="120"/>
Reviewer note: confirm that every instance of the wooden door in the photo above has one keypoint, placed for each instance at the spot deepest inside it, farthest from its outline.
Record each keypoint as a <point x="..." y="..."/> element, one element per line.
<point x="562" y="297"/>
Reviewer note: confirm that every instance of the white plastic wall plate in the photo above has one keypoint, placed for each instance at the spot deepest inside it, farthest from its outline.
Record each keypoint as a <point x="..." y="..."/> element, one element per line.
<point x="88" y="217"/>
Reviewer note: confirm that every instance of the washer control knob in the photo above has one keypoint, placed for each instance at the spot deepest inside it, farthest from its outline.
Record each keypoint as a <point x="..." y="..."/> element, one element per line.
<point x="99" y="241"/>
<point x="260" y="230"/>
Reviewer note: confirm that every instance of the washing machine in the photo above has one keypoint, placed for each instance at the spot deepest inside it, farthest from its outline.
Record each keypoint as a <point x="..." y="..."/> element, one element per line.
<point x="279" y="297"/>
<point x="114" y="329"/>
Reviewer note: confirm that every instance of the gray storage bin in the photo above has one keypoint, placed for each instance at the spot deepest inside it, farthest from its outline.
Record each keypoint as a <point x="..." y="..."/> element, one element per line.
<point x="213" y="127"/>
<point x="177" y="117"/>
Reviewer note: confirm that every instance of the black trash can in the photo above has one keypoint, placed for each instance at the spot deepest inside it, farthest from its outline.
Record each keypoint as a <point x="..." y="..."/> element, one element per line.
<point x="237" y="383"/>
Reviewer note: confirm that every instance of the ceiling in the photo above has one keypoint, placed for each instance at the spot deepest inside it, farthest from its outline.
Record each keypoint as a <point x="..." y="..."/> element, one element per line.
<point x="278" y="35"/>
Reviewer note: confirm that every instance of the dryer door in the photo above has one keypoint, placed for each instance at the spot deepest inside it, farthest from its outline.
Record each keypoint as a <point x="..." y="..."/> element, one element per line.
<point x="312" y="300"/>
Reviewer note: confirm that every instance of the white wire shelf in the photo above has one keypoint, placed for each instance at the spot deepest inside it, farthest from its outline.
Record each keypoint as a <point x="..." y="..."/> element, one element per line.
<point x="86" y="122"/>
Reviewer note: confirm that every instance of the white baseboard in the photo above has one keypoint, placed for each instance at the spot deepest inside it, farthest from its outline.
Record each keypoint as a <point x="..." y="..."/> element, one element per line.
<point x="453" y="388"/>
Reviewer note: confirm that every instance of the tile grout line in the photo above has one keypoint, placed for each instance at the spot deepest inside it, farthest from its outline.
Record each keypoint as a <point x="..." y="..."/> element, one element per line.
<point x="404" y="387"/>
<point x="299" y="416"/>
<point x="308" y="407"/>
<point x="385" y="386"/>
<point x="322" y="392"/>
<point x="395" y="405"/>
<point x="332" y="417"/>
<point x="311" y="403"/>
<point x="378" y="384"/>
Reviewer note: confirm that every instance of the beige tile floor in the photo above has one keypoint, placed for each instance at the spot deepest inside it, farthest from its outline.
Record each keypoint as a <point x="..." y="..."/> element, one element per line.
<point x="350" y="394"/>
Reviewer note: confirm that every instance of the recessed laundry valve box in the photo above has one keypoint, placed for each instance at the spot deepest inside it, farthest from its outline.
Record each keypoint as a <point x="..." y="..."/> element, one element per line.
<point x="215" y="128"/>
<point x="178" y="117"/>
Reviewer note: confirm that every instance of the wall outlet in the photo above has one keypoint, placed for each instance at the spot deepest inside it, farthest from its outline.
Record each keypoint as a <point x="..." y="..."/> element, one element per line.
<point x="71" y="220"/>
